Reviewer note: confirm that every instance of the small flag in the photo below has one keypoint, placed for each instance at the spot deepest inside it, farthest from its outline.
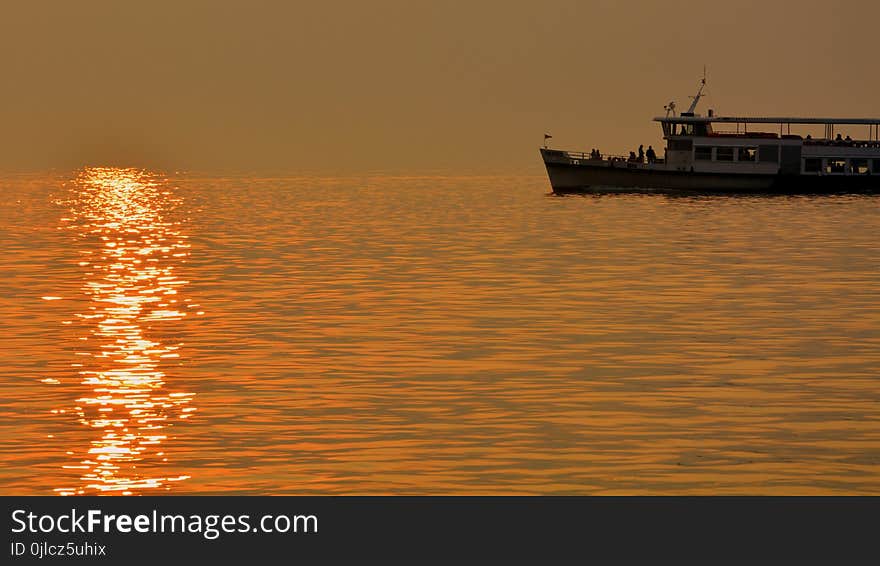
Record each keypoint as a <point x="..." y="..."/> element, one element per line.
<point x="547" y="136"/>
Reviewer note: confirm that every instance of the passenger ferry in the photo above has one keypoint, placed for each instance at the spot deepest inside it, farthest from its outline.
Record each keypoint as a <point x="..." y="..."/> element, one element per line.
<point x="733" y="154"/>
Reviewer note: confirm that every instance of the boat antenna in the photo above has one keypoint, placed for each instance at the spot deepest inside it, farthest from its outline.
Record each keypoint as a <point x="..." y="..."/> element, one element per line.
<point x="699" y="93"/>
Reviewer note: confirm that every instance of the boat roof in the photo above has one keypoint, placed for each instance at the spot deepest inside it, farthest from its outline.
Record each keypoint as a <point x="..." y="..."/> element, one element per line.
<point x="765" y="120"/>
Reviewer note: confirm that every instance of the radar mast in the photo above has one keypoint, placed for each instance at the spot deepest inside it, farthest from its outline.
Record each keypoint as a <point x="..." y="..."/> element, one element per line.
<point x="699" y="94"/>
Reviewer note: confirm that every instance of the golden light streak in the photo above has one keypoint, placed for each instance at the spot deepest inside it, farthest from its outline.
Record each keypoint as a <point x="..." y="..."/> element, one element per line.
<point x="134" y="253"/>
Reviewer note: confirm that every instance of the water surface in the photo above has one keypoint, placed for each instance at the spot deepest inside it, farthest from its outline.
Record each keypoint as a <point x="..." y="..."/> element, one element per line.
<point x="432" y="335"/>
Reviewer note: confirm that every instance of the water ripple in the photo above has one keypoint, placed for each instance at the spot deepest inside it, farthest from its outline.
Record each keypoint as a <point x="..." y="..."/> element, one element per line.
<point x="470" y="335"/>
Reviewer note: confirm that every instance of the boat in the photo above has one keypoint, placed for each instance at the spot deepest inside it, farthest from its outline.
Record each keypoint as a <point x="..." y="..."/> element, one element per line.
<point x="731" y="154"/>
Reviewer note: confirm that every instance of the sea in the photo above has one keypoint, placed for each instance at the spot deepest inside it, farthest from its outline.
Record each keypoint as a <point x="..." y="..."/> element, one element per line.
<point x="183" y="333"/>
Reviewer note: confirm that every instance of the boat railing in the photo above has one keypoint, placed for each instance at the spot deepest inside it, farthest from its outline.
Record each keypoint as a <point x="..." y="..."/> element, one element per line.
<point x="608" y="158"/>
<point x="807" y="141"/>
<point x="741" y="134"/>
<point x="843" y="143"/>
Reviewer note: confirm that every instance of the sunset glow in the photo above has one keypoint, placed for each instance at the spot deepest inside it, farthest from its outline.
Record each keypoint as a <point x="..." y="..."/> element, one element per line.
<point x="130" y="259"/>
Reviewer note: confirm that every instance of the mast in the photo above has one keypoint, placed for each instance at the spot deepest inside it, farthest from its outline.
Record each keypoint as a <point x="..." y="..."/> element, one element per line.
<point x="699" y="93"/>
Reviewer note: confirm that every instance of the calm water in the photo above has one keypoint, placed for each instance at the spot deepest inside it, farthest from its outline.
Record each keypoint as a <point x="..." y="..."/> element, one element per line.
<point x="432" y="335"/>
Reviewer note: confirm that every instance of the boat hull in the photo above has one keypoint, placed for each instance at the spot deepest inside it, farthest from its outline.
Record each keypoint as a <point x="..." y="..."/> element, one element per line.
<point x="567" y="176"/>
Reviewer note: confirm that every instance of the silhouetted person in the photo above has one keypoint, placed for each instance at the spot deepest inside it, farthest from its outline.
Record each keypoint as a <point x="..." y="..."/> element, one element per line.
<point x="838" y="139"/>
<point x="651" y="154"/>
<point x="632" y="156"/>
<point x="641" y="154"/>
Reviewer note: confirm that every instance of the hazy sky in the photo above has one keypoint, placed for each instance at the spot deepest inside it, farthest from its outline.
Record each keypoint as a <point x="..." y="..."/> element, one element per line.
<point x="406" y="86"/>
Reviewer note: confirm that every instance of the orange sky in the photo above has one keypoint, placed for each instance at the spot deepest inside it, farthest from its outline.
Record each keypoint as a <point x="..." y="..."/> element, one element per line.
<point x="399" y="86"/>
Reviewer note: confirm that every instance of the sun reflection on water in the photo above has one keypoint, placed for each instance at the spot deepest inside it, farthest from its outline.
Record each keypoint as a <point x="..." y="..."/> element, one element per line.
<point x="130" y="253"/>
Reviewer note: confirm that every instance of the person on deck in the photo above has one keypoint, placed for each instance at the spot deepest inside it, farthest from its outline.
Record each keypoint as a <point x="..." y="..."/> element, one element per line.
<point x="651" y="154"/>
<point x="641" y="154"/>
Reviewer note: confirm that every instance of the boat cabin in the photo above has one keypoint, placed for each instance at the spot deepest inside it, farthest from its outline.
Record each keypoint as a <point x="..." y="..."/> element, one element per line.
<point x="724" y="144"/>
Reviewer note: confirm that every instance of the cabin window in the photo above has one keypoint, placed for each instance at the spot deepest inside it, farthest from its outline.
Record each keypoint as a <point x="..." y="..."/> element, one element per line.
<point x="724" y="153"/>
<point x="680" y="145"/>
<point x="812" y="165"/>
<point x="703" y="153"/>
<point x="768" y="153"/>
<point x="876" y="168"/>
<point x="835" y="166"/>
<point x="747" y="154"/>
<point x="860" y="166"/>
<point x="686" y="130"/>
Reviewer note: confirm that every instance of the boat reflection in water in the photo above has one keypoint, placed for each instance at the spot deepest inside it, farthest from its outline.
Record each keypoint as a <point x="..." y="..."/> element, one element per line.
<point x="130" y="254"/>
